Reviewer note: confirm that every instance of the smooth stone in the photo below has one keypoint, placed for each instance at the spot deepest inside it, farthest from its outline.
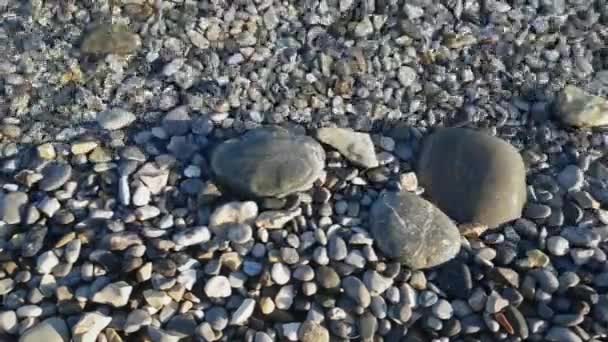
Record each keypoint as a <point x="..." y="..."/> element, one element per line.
<point x="141" y="196"/>
<point x="54" y="176"/>
<point x="357" y="147"/>
<point x="327" y="277"/>
<point x="115" y="119"/>
<point x="517" y="321"/>
<point x="136" y="320"/>
<point x="311" y="331"/>
<point x="411" y="229"/>
<point x="243" y="312"/>
<point x="244" y="164"/>
<point x="473" y="177"/>
<point x="52" y="329"/>
<point x="46" y="261"/>
<point x="12" y="207"/>
<point x="376" y="283"/>
<point x="558" y="246"/>
<point x="116" y="294"/>
<point x="368" y="324"/>
<point x="280" y="273"/>
<point x="8" y="322"/>
<point x="356" y="290"/>
<point x="239" y="233"/>
<point x="191" y="236"/>
<point x="217" y="316"/>
<point x="442" y="309"/>
<point x="218" y="287"/>
<point x="576" y="107"/>
<point x="232" y="212"/>
<point x="290" y="331"/>
<point x="90" y="326"/>
<point x="285" y="297"/>
<point x="110" y="39"/>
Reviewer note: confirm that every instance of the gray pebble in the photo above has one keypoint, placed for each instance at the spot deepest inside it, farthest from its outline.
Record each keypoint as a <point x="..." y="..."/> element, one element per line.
<point x="571" y="178"/>
<point x="443" y="309"/>
<point x="558" y="245"/>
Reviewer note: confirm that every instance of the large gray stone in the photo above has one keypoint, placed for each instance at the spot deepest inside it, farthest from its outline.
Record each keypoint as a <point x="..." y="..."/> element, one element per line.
<point x="578" y="108"/>
<point x="268" y="162"/>
<point x="52" y="329"/>
<point x="357" y="147"/>
<point x="473" y="177"/>
<point x="411" y="229"/>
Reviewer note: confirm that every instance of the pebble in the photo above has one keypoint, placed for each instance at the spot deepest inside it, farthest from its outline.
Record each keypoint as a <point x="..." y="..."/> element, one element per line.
<point x="290" y="331"/>
<point x="53" y="329"/>
<point x="12" y="207"/>
<point x="558" y="246"/>
<point x="46" y="261"/>
<point x="54" y="176"/>
<point x="218" y="287"/>
<point x="327" y="277"/>
<point x="192" y="236"/>
<point x="311" y="331"/>
<point x="233" y="212"/>
<point x="89" y="326"/>
<point x="243" y="312"/>
<point x="357" y="147"/>
<point x="280" y="273"/>
<point x="115" y="118"/>
<point x="29" y="311"/>
<point x="116" y="294"/>
<point x="443" y="309"/>
<point x="137" y="319"/>
<point x="8" y="322"/>
<point x="217" y="317"/>
<point x="141" y="196"/>
<point x="356" y="290"/>
<point x="285" y="297"/>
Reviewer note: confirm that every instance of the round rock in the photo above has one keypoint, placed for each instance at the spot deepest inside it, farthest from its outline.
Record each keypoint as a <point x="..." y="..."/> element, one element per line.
<point x="218" y="287"/>
<point x="268" y="162"/>
<point x="473" y="177"/>
<point x="411" y="229"/>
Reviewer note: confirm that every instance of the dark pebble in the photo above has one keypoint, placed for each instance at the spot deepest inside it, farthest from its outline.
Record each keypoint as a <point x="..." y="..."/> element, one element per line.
<point x="518" y="321"/>
<point x="454" y="278"/>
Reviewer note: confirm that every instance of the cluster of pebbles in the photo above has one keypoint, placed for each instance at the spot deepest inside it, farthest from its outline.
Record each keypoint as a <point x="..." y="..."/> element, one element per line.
<point x="277" y="171"/>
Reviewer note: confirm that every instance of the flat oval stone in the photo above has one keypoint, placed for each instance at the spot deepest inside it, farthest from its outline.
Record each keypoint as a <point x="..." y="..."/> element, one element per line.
<point x="411" y="229"/>
<point x="54" y="176"/>
<point x="473" y="177"/>
<point x="268" y="162"/>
